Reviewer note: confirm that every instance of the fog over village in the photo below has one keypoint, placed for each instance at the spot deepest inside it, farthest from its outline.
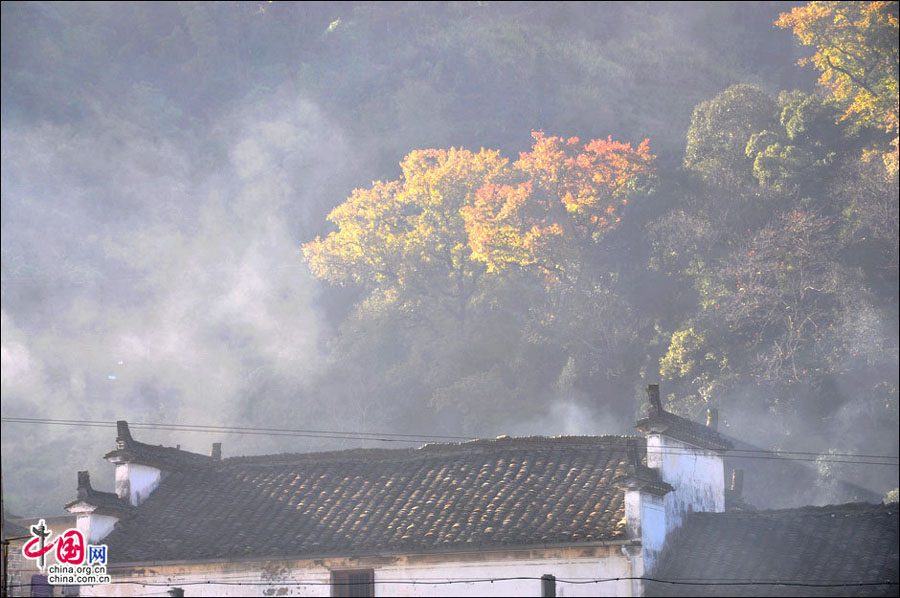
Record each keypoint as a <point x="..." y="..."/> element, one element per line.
<point x="536" y="211"/>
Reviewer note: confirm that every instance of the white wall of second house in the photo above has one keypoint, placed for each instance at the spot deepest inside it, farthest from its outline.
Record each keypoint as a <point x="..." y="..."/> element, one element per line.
<point x="653" y="527"/>
<point x="136" y="482"/>
<point x="408" y="575"/>
<point x="95" y="527"/>
<point x="645" y="519"/>
<point x="696" y="474"/>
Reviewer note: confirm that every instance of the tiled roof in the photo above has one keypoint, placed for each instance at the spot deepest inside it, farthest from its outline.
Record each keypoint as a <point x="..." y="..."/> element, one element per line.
<point x="105" y="502"/>
<point x="169" y="458"/>
<point x="683" y="429"/>
<point x="484" y="493"/>
<point x="14" y="530"/>
<point x="836" y="543"/>
<point x="660" y="421"/>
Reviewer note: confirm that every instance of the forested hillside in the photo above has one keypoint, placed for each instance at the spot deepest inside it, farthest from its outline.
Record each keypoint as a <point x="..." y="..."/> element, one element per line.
<point x="463" y="219"/>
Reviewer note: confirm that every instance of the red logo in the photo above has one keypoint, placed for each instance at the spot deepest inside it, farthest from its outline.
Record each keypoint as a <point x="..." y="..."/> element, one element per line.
<point x="69" y="547"/>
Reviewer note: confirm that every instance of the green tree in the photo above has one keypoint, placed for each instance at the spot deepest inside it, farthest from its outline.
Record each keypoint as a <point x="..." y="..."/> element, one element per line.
<point x="719" y="132"/>
<point x="797" y="156"/>
<point x="856" y="50"/>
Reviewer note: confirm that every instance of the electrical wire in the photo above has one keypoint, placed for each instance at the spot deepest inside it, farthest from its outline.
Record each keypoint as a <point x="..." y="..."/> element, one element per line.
<point x="454" y="581"/>
<point x="848" y="458"/>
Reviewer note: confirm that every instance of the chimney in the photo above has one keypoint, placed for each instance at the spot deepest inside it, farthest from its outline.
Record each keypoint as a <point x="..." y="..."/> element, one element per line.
<point x="633" y="458"/>
<point x="655" y="404"/>
<point x="84" y="484"/>
<point x="123" y="436"/>
<point x="712" y="418"/>
<point x="737" y="481"/>
<point x="216" y="451"/>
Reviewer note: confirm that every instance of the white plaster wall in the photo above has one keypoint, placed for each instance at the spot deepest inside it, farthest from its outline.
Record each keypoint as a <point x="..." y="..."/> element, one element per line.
<point x="698" y="476"/>
<point x="564" y="569"/>
<point x="136" y="482"/>
<point x="653" y="528"/>
<point x="270" y="578"/>
<point x="95" y="527"/>
<point x="633" y="514"/>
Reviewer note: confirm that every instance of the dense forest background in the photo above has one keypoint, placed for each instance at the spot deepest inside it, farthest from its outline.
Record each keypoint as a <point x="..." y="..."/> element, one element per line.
<point x="168" y="169"/>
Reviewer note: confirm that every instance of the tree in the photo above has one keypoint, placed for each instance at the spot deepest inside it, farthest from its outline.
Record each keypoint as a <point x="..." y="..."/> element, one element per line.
<point x="719" y="132"/>
<point x="789" y="300"/>
<point x="568" y="199"/>
<point x="856" y="49"/>
<point x="406" y="239"/>
<point x="454" y="215"/>
<point x="797" y="157"/>
<point x="447" y="252"/>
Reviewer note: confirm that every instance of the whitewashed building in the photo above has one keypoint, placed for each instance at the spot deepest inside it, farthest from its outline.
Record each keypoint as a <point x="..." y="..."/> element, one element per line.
<point x="564" y="516"/>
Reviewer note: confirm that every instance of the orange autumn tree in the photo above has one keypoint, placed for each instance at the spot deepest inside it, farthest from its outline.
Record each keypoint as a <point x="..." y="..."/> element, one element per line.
<point x="406" y="238"/>
<point x="455" y="216"/>
<point x="567" y="198"/>
<point x="856" y="50"/>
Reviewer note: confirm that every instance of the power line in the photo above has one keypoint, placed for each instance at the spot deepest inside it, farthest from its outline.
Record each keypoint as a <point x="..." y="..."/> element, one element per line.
<point x="202" y="427"/>
<point x="848" y="458"/>
<point x="453" y="581"/>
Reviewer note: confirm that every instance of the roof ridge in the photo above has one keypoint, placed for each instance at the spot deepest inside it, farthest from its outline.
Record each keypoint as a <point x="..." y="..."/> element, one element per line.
<point x="821" y="510"/>
<point x="157" y="455"/>
<point x="437" y="448"/>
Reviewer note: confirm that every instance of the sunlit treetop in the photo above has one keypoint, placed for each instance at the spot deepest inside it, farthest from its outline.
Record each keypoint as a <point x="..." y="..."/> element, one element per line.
<point x="454" y="215"/>
<point x="570" y="197"/>
<point x="856" y="49"/>
<point x="407" y="232"/>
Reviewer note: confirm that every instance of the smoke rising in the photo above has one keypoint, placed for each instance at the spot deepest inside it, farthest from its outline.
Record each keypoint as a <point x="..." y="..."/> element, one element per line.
<point x="157" y="277"/>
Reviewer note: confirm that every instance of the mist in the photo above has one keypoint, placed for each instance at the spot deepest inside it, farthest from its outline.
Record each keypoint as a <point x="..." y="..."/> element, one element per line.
<point x="163" y="164"/>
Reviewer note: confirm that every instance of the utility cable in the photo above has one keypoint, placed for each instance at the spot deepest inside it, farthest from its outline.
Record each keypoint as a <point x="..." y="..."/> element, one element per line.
<point x="848" y="458"/>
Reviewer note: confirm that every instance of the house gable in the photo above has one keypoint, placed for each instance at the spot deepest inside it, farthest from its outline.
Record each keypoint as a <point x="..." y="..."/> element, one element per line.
<point x="140" y="467"/>
<point x="687" y="456"/>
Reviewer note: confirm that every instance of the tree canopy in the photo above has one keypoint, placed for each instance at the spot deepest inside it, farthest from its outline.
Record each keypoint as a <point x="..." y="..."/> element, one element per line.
<point x="856" y="50"/>
<point x="454" y="215"/>
<point x="569" y="198"/>
<point x="407" y="235"/>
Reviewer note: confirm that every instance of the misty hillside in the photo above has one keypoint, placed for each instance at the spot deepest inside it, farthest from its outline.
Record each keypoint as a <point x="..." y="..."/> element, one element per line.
<point x="440" y="219"/>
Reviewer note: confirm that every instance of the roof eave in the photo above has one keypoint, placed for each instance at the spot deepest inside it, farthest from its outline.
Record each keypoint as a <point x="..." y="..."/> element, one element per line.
<point x="362" y="554"/>
<point x="81" y="506"/>
<point x="647" y="426"/>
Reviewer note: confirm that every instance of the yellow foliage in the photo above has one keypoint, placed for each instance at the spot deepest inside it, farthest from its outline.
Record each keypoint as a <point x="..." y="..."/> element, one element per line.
<point x="454" y="214"/>
<point x="571" y="196"/>
<point x="399" y="232"/>
<point x="857" y="53"/>
<point x="680" y="359"/>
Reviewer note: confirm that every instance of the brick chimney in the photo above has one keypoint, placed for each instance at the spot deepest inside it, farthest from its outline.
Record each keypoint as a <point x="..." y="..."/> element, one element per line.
<point x="123" y="434"/>
<point x="84" y="485"/>
<point x="216" y="451"/>
<point x="655" y="402"/>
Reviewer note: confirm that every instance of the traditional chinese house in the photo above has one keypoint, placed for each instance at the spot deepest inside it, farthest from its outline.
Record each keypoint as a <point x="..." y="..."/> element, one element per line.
<point x="560" y="516"/>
